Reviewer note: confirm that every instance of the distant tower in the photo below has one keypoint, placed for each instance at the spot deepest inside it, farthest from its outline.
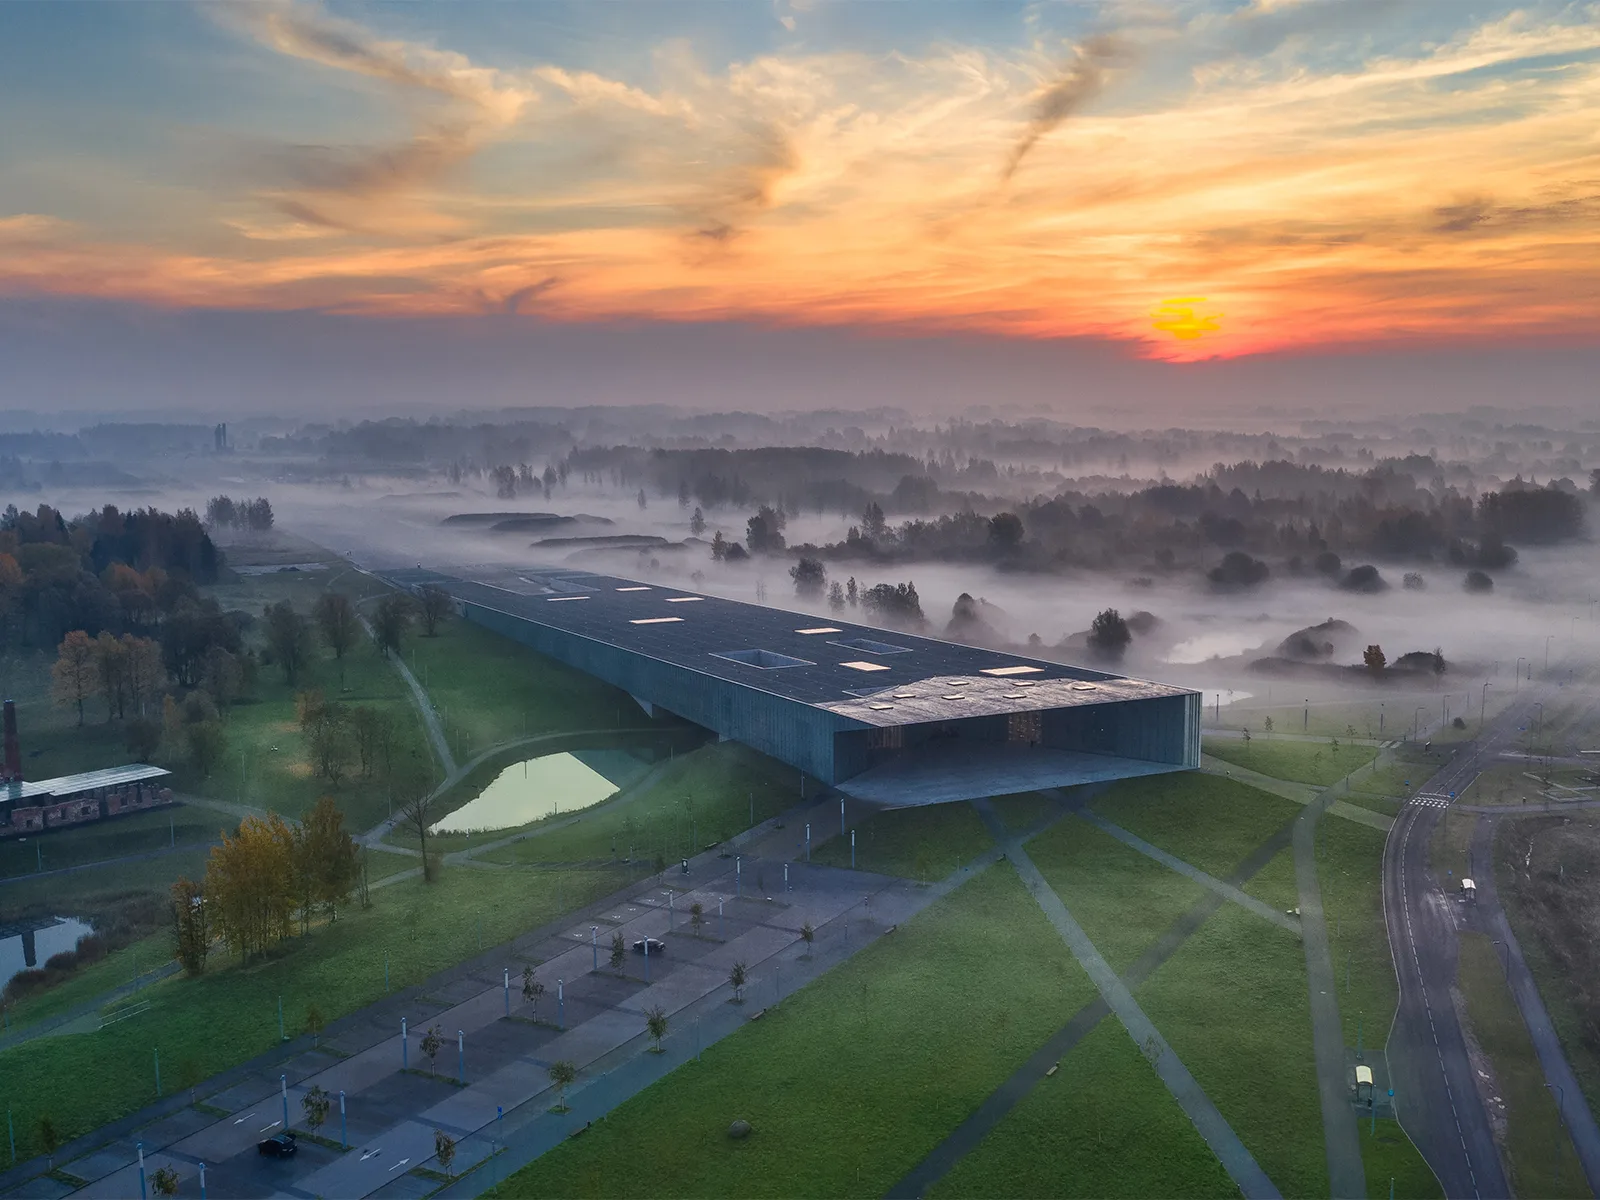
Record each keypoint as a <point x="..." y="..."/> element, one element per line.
<point x="219" y="436"/>
<point x="13" y="763"/>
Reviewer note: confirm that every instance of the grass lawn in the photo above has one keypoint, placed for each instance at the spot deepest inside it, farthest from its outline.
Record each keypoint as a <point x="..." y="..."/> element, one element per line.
<point x="1350" y="875"/>
<point x="489" y="689"/>
<point x="924" y="843"/>
<point x="1232" y="1002"/>
<point x="1390" y="1158"/>
<point x="66" y="894"/>
<point x="1024" y="810"/>
<point x="53" y="743"/>
<point x="707" y="793"/>
<point x="1123" y="900"/>
<point x="852" y="1081"/>
<point x="230" y="1013"/>
<point x="1275" y="883"/>
<point x="1208" y="821"/>
<point x="114" y="970"/>
<point x="1450" y="851"/>
<point x="1300" y="762"/>
<point x="113" y="837"/>
<point x="1323" y="719"/>
<point x="1089" y="1131"/>
<point x="1538" y="1152"/>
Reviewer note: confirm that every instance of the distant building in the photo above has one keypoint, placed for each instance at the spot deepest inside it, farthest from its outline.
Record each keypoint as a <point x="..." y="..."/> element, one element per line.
<point x="892" y="718"/>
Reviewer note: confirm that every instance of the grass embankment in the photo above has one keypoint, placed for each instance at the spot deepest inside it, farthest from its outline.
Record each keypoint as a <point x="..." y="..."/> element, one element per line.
<point x="852" y="1081"/>
<point x="1538" y="1152"/>
<point x="76" y="894"/>
<point x="1276" y="884"/>
<point x="1209" y="822"/>
<point x="1318" y="763"/>
<point x="490" y="689"/>
<point x="1123" y="900"/>
<point x="114" y="837"/>
<point x="706" y="794"/>
<point x="94" y="981"/>
<point x="1392" y="1161"/>
<point x="229" y="1014"/>
<point x="1025" y="810"/>
<point x="923" y="843"/>
<point x="1103" y="1125"/>
<point x="1321" y="718"/>
<point x="1232" y="1003"/>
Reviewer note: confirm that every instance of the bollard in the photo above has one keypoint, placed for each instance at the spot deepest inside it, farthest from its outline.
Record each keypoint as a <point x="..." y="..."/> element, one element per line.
<point x="808" y="841"/>
<point x="508" y="990"/>
<point x="283" y="1083"/>
<point x="461" y="1056"/>
<point x="852" y="849"/>
<point x="143" y="1193"/>
<point x="738" y="876"/>
<point x="594" y="943"/>
<point x="841" y="816"/>
<point x="561" y="1004"/>
<point x="405" y="1047"/>
<point x="344" y="1133"/>
<point x="786" y="877"/>
<point x="202" y="1181"/>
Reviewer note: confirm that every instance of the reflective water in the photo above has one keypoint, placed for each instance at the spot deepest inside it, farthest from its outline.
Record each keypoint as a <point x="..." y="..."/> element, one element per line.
<point x="1219" y="644"/>
<point x="528" y="791"/>
<point x="27" y="944"/>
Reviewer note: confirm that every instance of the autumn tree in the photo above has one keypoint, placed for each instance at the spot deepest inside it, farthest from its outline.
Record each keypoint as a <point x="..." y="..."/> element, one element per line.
<point x="1375" y="660"/>
<point x="738" y="975"/>
<point x="289" y="636"/>
<point x="444" y="1149"/>
<point x="146" y="672"/>
<point x="142" y="737"/>
<point x="390" y="621"/>
<point x="316" y="1104"/>
<point x="222" y="676"/>
<point x="111" y="672"/>
<point x="189" y="926"/>
<point x="249" y="885"/>
<point x="619" y="952"/>
<point x="338" y="624"/>
<point x="325" y="858"/>
<point x="73" y="675"/>
<point x="370" y="729"/>
<point x="207" y="743"/>
<point x="532" y="989"/>
<point x="432" y="1042"/>
<point x="433" y="606"/>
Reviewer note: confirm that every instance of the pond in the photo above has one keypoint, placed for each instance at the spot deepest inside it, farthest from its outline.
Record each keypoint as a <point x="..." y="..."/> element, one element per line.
<point x="27" y="944"/>
<point x="530" y="790"/>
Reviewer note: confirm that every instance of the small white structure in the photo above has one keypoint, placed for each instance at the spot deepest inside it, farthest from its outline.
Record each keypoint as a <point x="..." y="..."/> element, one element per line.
<point x="1364" y="1080"/>
<point x="1469" y="890"/>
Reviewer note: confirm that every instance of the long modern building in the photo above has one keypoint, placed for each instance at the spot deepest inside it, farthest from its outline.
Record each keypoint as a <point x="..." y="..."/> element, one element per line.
<point x="887" y="717"/>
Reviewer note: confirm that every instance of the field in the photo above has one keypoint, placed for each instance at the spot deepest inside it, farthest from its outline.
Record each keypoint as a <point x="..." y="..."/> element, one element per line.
<point x="1092" y="1130"/>
<point x="136" y="833"/>
<point x="1301" y="762"/>
<point x="1210" y="822"/>
<point x="923" y="843"/>
<point x="205" y="1025"/>
<point x="1538" y="1152"/>
<point x="913" y="1032"/>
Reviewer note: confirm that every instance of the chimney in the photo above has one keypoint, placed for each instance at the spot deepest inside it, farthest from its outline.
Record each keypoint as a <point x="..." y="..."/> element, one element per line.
<point x="13" y="767"/>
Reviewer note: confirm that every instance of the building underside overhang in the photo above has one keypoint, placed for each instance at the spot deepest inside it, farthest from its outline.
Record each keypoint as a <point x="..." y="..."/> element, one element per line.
<point x="972" y="771"/>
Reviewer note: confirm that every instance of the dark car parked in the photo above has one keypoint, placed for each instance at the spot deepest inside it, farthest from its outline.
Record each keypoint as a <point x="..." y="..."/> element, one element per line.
<point x="657" y="946"/>
<point x="279" y="1145"/>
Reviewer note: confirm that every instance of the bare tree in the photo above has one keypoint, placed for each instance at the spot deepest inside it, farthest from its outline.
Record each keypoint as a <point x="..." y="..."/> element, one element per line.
<point x="417" y="816"/>
<point x="532" y="989"/>
<point x="433" y="606"/>
<point x="337" y="622"/>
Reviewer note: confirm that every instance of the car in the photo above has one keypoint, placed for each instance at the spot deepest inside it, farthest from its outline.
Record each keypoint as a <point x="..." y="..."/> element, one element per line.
<point x="279" y="1145"/>
<point x="656" y="946"/>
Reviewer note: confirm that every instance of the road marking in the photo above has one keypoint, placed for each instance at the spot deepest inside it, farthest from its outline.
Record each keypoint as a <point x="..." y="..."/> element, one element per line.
<point x="244" y="1118"/>
<point x="370" y="1154"/>
<point x="274" y="1125"/>
<point x="400" y="1164"/>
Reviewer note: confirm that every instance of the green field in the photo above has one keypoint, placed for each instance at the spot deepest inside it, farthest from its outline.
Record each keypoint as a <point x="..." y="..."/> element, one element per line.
<point x="1300" y="762"/>
<point x="1123" y="900"/>
<point x="852" y="1081"/>
<point x="1208" y="821"/>
<point x="1232" y="1003"/>
<point x="1025" y="810"/>
<point x="1275" y="883"/>
<point x="706" y="794"/>
<point x="1538" y="1152"/>
<point x="1350" y="875"/>
<point x="923" y="843"/>
<point x="1391" y="1159"/>
<point x="230" y="1014"/>
<point x="136" y="833"/>
<point x="1103" y="1125"/>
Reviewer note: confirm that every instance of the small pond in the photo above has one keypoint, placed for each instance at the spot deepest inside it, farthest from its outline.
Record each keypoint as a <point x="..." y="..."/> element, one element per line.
<point x="27" y="944"/>
<point x="530" y="790"/>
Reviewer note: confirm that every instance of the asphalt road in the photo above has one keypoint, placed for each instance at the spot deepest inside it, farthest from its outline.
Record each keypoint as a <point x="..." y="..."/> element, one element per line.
<point x="1436" y="1096"/>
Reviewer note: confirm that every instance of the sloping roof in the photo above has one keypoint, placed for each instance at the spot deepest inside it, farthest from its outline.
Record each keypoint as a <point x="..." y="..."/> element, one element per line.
<point x="73" y="785"/>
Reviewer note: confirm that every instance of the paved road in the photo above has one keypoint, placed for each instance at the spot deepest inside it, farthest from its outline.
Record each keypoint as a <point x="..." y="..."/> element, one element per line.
<point x="1436" y="1095"/>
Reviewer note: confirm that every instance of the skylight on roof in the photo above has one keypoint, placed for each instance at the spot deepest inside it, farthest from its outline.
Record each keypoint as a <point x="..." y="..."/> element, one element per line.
<point x="767" y="660"/>
<point x="905" y="695"/>
<point x="955" y="697"/>
<point x="879" y="707"/>
<point x="638" y="588"/>
<point x="655" y="620"/>
<point x="556" y="599"/>
<point x="1017" y="670"/>
<point x="868" y="646"/>
<point x="821" y="629"/>
<point x="864" y="666"/>
<point x="1083" y="687"/>
<point x="683" y="599"/>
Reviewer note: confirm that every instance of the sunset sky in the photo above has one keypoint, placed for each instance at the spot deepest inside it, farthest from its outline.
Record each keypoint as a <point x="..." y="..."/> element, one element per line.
<point x="1176" y="180"/>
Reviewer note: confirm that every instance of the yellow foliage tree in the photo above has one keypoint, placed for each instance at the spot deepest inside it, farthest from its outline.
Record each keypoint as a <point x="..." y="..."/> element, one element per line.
<point x="74" y="672"/>
<point x="249" y="885"/>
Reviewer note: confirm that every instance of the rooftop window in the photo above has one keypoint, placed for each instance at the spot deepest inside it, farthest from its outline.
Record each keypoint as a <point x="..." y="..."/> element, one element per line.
<point x="821" y="629"/>
<point x="868" y="646"/>
<point x="655" y="620"/>
<point x="767" y="660"/>
<point x="879" y="707"/>
<point x="1017" y="670"/>
<point x="864" y="666"/>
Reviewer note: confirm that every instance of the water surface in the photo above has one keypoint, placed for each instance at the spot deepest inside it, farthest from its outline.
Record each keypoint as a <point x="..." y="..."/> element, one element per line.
<point x="528" y="791"/>
<point x="27" y="944"/>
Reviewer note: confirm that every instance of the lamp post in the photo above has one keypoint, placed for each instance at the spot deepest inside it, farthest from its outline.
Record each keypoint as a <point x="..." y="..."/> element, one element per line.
<point x="1416" y="723"/>
<point x="283" y="1087"/>
<point x="461" y="1056"/>
<point x="143" y="1193"/>
<point x="405" y="1047"/>
<point x="594" y="944"/>
<point x="1518" y="687"/>
<point x="1483" y="705"/>
<point x="1547" y="638"/>
<point x="344" y="1132"/>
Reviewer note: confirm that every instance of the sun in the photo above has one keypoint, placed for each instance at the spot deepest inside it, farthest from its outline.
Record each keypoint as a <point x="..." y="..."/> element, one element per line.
<point x="1178" y="318"/>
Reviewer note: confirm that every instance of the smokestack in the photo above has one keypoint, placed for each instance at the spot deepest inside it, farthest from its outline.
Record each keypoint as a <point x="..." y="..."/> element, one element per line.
<point x="13" y="770"/>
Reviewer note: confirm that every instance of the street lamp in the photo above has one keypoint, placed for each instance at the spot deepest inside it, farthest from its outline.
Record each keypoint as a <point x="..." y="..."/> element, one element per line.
<point x="1520" y="661"/>
<point x="1416" y="722"/>
<point x="1547" y="638"/>
<point x="1483" y="705"/>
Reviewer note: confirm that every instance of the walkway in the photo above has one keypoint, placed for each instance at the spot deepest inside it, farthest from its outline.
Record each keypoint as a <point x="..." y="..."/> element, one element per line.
<point x="1218" y="1134"/>
<point x="1300" y="793"/>
<point x="430" y="719"/>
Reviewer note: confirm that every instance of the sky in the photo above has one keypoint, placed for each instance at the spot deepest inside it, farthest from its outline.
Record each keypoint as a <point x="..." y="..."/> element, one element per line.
<point x="1337" y="181"/>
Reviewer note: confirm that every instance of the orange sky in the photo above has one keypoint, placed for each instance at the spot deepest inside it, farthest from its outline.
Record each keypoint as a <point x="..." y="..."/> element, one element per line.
<point x="1443" y="191"/>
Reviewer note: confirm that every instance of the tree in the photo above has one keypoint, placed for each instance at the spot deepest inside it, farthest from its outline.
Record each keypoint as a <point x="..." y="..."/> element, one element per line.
<point x="73" y="675"/>
<point x="1375" y="660"/>
<point x="737" y="975"/>
<point x="697" y="522"/>
<point x="417" y="816"/>
<point x="249" y="885"/>
<point x="222" y="677"/>
<point x="619" y="952"/>
<point x="808" y="935"/>
<point x="433" y="606"/>
<point x="809" y="576"/>
<point x="315" y="1104"/>
<point x="697" y="917"/>
<point x="289" y="636"/>
<point x="836" y="596"/>
<point x="872" y="521"/>
<point x="111" y="670"/>
<point x="207" y="745"/>
<point x="165" y="1181"/>
<point x="1005" y="531"/>
<point x="327" y="856"/>
<point x="49" y="1138"/>
<point x="562" y="1073"/>
<point x="764" y="531"/>
<point x="142" y="737"/>
<point x="719" y="547"/>
<point x="338" y="624"/>
<point x="851" y="592"/>
<point x="1475" y="581"/>
<point x="444" y="1149"/>
<point x="189" y="926"/>
<point x="369" y="729"/>
<point x="1267" y="725"/>
<point x="147" y="673"/>
<point x="390" y="621"/>
<point x="655" y="1020"/>
<point x="330" y="741"/>
<point x="532" y="989"/>
<point x="430" y="1044"/>
<point x="896" y="603"/>
<point x="1109" y="635"/>
<point x="1237" y="571"/>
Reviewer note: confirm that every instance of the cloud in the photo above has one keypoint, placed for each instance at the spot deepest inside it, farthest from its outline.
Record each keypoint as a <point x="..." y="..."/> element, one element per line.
<point x="1079" y="82"/>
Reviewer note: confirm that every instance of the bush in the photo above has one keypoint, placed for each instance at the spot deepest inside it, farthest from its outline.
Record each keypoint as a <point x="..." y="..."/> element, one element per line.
<point x="1364" y="579"/>
<point x="1477" y="581"/>
<point x="1238" y="570"/>
<point x="64" y="961"/>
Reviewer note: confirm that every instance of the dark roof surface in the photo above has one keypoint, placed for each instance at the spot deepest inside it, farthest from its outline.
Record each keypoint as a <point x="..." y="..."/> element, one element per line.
<point x="876" y="676"/>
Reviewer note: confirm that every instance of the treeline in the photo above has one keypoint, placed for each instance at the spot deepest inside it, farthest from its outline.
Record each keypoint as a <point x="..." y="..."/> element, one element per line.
<point x="224" y="512"/>
<point x="108" y="571"/>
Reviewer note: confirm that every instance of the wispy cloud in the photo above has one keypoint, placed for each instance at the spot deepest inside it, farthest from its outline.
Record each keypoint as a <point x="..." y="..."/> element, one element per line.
<point x="1078" y="83"/>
